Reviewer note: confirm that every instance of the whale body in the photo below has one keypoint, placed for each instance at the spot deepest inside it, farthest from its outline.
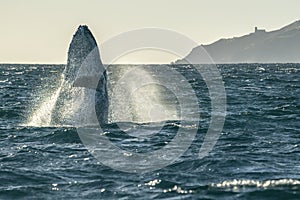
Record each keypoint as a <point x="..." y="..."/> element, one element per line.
<point x="84" y="84"/>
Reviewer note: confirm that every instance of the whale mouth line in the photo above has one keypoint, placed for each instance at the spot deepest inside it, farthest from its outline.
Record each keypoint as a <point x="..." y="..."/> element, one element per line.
<point x="90" y="82"/>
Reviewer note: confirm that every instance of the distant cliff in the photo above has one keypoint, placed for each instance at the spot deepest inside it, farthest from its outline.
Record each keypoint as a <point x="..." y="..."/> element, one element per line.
<point x="279" y="46"/>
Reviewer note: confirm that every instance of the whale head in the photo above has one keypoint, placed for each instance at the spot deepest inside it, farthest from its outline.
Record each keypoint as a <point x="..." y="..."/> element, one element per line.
<point x="84" y="65"/>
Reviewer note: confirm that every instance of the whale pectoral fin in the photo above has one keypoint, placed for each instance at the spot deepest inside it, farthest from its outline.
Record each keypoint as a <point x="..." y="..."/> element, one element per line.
<point x="90" y="82"/>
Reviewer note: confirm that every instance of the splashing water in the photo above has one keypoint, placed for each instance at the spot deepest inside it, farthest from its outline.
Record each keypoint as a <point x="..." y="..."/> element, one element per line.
<point x="130" y="101"/>
<point x="138" y="97"/>
<point x="42" y="114"/>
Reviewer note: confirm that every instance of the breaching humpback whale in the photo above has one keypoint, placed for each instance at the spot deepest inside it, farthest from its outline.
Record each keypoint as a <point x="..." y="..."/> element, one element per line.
<point x="84" y="84"/>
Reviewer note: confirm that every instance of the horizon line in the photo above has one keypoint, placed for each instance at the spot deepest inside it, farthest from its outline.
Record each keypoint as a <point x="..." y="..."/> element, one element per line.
<point x="159" y="63"/>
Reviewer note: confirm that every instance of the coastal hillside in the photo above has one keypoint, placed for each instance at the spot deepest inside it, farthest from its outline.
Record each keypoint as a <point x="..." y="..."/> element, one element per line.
<point x="260" y="46"/>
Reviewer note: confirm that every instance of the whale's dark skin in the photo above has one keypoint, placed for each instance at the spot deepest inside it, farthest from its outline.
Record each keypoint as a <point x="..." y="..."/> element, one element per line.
<point x="84" y="70"/>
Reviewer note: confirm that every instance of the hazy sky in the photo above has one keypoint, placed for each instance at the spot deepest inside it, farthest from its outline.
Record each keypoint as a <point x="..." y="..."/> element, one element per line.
<point x="39" y="31"/>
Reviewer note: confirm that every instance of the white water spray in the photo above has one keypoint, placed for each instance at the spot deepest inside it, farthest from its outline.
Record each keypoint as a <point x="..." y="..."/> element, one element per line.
<point x="42" y="114"/>
<point x="129" y="102"/>
<point x="138" y="97"/>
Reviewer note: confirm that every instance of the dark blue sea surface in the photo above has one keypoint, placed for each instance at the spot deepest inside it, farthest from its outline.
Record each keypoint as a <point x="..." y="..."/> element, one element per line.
<point x="256" y="157"/>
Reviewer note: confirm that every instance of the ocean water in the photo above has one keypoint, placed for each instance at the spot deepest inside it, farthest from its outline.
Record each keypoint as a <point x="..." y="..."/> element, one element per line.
<point x="256" y="157"/>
